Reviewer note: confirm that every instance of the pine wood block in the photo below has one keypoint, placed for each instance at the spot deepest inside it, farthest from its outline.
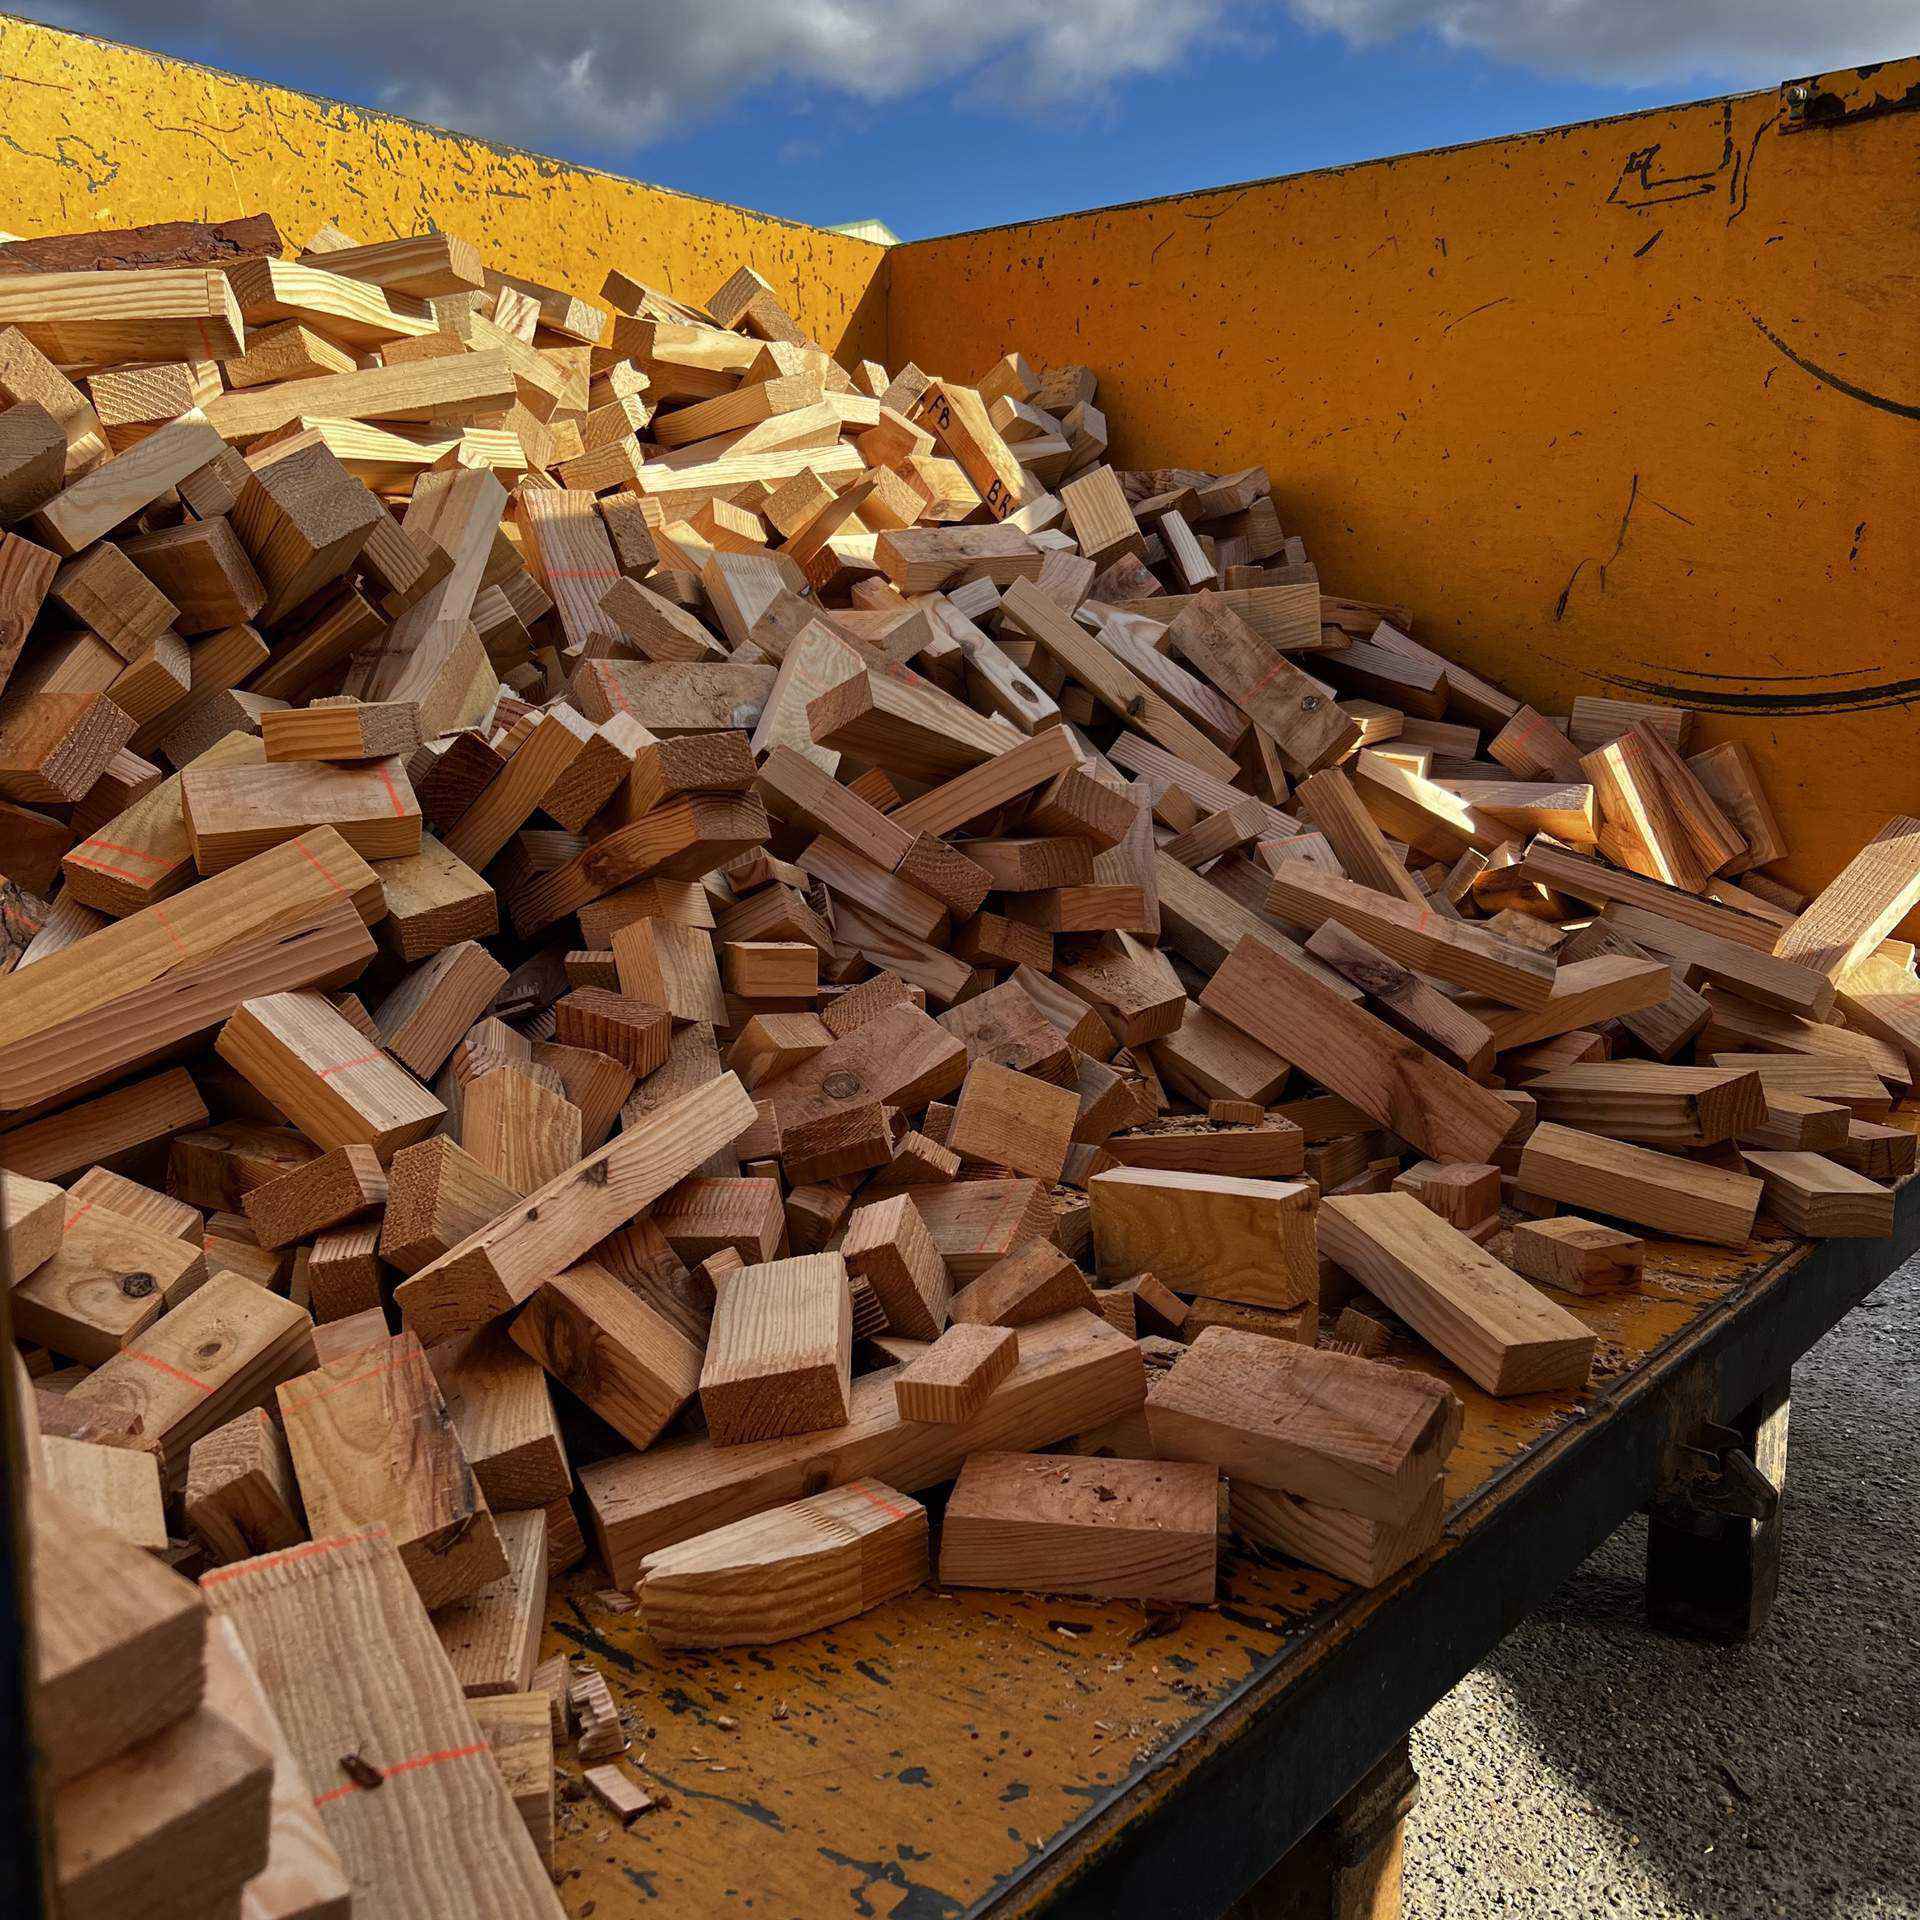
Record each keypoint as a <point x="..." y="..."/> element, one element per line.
<point x="54" y="746"/>
<point x="1366" y="1552"/>
<point x="234" y="813"/>
<point x="1350" y="1433"/>
<point x="113" y="1487"/>
<point x="320" y="1072"/>
<point x="519" y="1730"/>
<point x="109" y="1125"/>
<point x="773" y="1576"/>
<point x="1585" y="992"/>
<point x="1657" y="1104"/>
<point x="341" y="1272"/>
<point x="668" y="965"/>
<point x="371" y="1444"/>
<point x="976" y="1223"/>
<point x="220" y="1351"/>
<point x="302" y="1878"/>
<point x="434" y="899"/>
<point x="302" y="1619"/>
<point x="492" y="1636"/>
<point x="1863" y="903"/>
<point x="611" y="1348"/>
<point x="1409" y="1003"/>
<point x="355" y="1334"/>
<point x="771" y="1044"/>
<point x="117" y="489"/>
<point x="1466" y="1197"/>
<point x="109" y="1281"/>
<point x="502" y="1410"/>
<point x="952" y="1379"/>
<point x="1075" y="1373"/>
<point x="1881" y="1153"/>
<point x="501" y="1264"/>
<point x="521" y="1131"/>
<point x="438" y="1195"/>
<point x="1109" y="1529"/>
<point x="1204" y="1233"/>
<point x="215" y="1168"/>
<point x="241" y="1498"/>
<point x="1034" y="1282"/>
<point x="32" y="1216"/>
<point x="113" y="1673"/>
<point x="780" y="1350"/>
<point x="1012" y="1120"/>
<point x="173" y="1830"/>
<point x="1576" y="1256"/>
<point x="1394" y="1081"/>
<point x="1685" y="1198"/>
<point x="1732" y="964"/>
<point x="349" y="730"/>
<point x="1502" y="1334"/>
<point x="627" y="1028"/>
<point x="1658" y="819"/>
<point x="1820" y="1199"/>
<point x="1732" y="779"/>
<point x="1734" y="1023"/>
<point x="898" y="1058"/>
<point x="340" y="1186"/>
<point x="110" y="596"/>
<point x="1416" y="936"/>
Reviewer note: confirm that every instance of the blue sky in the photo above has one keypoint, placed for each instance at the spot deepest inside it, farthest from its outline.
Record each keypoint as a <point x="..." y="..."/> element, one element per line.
<point x="935" y="116"/>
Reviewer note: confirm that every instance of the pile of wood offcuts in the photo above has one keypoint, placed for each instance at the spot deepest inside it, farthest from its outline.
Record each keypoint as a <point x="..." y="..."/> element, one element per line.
<point x="621" y="940"/>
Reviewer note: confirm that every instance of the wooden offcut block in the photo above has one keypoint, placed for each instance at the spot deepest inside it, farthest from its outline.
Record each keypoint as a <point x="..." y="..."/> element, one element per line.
<point x="887" y="1245"/>
<point x="950" y="1380"/>
<point x="1220" y="1235"/>
<point x="1063" y="1523"/>
<point x="340" y="1186"/>
<point x="1575" y="1255"/>
<point x="1012" y="1120"/>
<point x="1035" y="1282"/>
<point x="371" y="1443"/>
<point x="241" y="1498"/>
<point x="780" y="1351"/>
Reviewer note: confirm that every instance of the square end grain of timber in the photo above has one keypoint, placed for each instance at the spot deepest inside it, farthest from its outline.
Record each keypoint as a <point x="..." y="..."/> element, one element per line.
<point x="1390" y="1078"/>
<point x="1012" y="1120"/>
<point x="372" y="1443"/>
<point x="887" y="1245"/>
<point x="1065" y="1523"/>
<point x="1350" y="1433"/>
<point x="1575" y="1255"/>
<point x="780" y="1352"/>
<point x="615" y="1023"/>
<point x="234" y="812"/>
<point x="773" y="1576"/>
<point x="1501" y="1333"/>
<point x="320" y="1071"/>
<point x="1206" y="1233"/>
<point x="1686" y="1198"/>
<point x="951" y="1380"/>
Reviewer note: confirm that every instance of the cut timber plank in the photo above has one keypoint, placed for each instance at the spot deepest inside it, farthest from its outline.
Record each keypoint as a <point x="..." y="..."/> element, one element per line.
<point x="1575" y="1255"/>
<point x="1685" y="1198"/>
<point x="1390" y="1078"/>
<point x="235" y="812"/>
<point x="346" y="1606"/>
<point x="1585" y="992"/>
<point x="1861" y="905"/>
<point x="776" y="1575"/>
<point x="1500" y="1332"/>
<point x="1657" y="1104"/>
<point x="611" y="1348"/>
<point x="1059" y="1523"/>
<point x="321" y="1072"/>
<point x="1206" y="1233"/>
<point x="111" y="1279"/>
<point x="1075" y="1373"/>
<point x="780" y="1350"/>
<point x="1354" y="1434"/>
<point x="1820" y="1200"/>
<point x="32" y="1216"/>
<point x="1732" y="964"/>
<point x="1416" y="936"/>
<point x="953" y="1377"/>
<point x="371" y="1444"/>
<point x="106" y="1127"/>
<point x="492" y="1636"/>
<point x="499" y="1266"/>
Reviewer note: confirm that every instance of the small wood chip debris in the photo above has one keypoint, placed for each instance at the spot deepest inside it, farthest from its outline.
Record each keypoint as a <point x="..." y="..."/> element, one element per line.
<point x="619" y="1794"/>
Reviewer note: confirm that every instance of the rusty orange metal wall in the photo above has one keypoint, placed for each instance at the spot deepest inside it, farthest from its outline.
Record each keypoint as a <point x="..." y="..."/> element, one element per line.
<point x="101" y="135"/>
<point x="1631" y="407"/>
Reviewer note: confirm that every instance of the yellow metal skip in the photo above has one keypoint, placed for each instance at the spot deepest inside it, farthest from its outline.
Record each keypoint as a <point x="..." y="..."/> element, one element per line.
<point x="1628" y="408"/>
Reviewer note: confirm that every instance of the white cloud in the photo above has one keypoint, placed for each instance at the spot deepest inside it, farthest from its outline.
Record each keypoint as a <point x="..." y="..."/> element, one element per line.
<point x="619" y="74"/>
<point x="1641" y="42"/>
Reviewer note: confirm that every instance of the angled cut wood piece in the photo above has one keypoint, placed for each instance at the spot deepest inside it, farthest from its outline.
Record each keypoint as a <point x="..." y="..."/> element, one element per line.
<point x="1820" y="1199"/>
<point x="780" y="1350"/>
<point x="345" y="1605"/>
<point x="776" y="1575"/>
<point x="1369" y="1438"/>
<point x="1065" y="1523"/>
<point x="1861" y="905"/>
<point x="1575" y="1255"/>
<point x="1506" y="1337"/>
<point x="1206" y="1233"/>
<point x="1649" y="1101"/>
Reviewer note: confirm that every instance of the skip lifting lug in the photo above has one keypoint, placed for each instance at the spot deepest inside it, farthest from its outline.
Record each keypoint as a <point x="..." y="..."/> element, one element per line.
<point x="1715" y="1475"/>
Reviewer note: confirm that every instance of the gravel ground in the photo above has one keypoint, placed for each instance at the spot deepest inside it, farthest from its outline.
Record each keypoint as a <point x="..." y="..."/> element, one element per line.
<point x="1595" y="1768"/>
